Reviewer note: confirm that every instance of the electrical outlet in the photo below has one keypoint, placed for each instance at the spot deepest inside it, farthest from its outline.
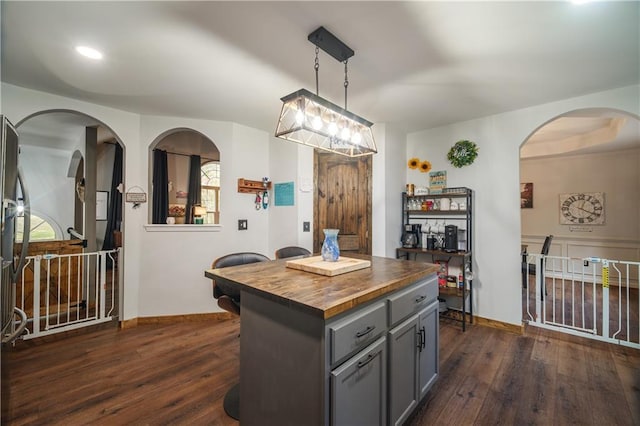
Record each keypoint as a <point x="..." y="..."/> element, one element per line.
<point x="306" y="227"/>
<point x="242" y="225"/>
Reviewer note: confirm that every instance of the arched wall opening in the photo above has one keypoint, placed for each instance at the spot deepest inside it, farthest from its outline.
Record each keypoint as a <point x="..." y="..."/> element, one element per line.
<point x="592" y="153"/>
<point x="69" y="160"/>
<point x="172" y="155"/>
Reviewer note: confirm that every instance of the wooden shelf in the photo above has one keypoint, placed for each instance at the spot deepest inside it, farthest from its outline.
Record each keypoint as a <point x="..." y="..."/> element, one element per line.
<point x="451" y="291"/>
<point x="431" y="252"/>
<point x="463" y="192"/>
<point x="439" y="212"/>
<point x="247" y="186"/>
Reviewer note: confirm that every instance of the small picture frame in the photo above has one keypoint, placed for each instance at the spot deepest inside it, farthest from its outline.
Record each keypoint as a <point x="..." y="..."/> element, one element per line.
<point x="102" y="204"/>
<point x="526" y="195"/>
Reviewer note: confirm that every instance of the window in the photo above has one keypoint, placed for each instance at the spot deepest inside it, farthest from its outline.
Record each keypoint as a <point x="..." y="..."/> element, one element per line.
<point x="41" y="230"/>
<point x="210" y="182"/>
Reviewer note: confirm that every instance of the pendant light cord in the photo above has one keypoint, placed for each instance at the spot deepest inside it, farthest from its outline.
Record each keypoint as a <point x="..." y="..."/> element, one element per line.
<point x="316" y="66"/>
<point x="346" y="83"/>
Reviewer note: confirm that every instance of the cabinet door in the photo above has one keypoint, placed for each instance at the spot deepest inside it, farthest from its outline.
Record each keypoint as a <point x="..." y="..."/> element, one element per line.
<point x="358" y="388"/>
<point x="428" y="357"/>
<point x="403" y="373"/>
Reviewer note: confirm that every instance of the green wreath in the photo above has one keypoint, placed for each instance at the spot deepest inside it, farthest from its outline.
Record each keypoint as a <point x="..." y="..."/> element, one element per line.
<point x="462" y="153"/>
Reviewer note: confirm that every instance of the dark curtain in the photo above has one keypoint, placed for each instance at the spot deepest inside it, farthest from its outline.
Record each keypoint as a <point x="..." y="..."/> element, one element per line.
<point x="114" y="214"/>
<point x="194" y="196"/>
<point x="160" y="187"/>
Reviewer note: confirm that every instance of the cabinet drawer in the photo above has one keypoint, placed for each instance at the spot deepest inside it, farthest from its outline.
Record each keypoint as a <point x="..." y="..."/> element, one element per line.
<point x="359" y="388"/>
<point x="356" y="331"/>
<point x="412" y="300"/>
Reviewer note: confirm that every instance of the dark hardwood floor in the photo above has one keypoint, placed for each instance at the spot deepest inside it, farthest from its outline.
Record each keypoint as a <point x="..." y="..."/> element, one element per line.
<point x="179" y="373"/>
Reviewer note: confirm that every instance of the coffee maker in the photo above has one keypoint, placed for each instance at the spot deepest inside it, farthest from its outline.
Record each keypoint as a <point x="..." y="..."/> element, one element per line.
<point x="411" y="236"/>
<point x="451" y="238"/>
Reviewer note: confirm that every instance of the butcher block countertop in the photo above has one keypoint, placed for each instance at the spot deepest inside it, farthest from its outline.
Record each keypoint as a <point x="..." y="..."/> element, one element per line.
<point x="320" y="295"/>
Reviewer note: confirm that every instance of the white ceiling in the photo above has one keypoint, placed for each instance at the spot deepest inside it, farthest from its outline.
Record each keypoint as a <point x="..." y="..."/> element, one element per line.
<point x="416" y="64"/>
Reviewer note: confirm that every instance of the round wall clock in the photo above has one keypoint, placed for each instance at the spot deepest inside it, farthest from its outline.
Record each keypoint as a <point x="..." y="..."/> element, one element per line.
<point x="582" y="208"/>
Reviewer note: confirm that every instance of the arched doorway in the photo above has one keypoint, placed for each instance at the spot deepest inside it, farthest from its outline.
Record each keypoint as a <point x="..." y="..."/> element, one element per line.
<point x="579" y="179"/>
<point x="68" y="160"/>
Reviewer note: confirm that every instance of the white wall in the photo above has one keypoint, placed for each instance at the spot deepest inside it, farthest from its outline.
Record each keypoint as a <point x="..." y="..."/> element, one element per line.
<point x="495" y="177"/>
<point x="51" y="191"/>
<point x="284" y="224"/>
<point x="388" y="184"/>
<point x="164" y="270"/>
<point x="616" y="174"/>
<point x="19" y="103"/>
<point x="173" y="259"/>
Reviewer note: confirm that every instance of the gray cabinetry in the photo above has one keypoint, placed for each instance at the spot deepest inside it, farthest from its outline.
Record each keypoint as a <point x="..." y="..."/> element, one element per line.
<point x="359" y="388"/>
<point x="354" y="332"/>
<point x="428" y="353"/>
<point x="300" y="368"/>
<point x="403" y="364"/>
<point x="413" y="361"/>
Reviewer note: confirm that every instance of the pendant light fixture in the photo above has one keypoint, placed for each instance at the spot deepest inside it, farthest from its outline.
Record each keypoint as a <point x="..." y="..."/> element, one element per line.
<point x="309" y="119"/>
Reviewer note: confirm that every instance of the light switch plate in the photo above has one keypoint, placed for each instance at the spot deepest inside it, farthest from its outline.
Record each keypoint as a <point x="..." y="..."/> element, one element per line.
<point x="242" y="225"/>
<point x="306" y="227"/>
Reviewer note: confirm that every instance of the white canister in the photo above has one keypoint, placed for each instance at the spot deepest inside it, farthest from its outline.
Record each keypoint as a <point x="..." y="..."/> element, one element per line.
<point x="462" y="205"/>
<point x="171" y="220"/>
<point x="454" y="205"/>
<point x="445" y="204"/>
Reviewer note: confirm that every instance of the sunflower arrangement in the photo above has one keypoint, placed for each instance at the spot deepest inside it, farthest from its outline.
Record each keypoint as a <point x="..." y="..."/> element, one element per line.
<point x="462" y="153"/>
<point x="413" y="163"/>
<point x="425" y="166"/>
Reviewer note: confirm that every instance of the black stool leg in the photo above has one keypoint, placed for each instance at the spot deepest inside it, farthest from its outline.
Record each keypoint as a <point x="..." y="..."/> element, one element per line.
<point x="231" y="402"/>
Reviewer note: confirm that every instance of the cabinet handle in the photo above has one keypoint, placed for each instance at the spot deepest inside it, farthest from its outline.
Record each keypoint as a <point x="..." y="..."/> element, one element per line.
<point x="419" y="337"/>
<point x="420" y="299"/>
<point x="367" y="330"/>
<point x="423" y="338"/>
<point x="366" y="361"/>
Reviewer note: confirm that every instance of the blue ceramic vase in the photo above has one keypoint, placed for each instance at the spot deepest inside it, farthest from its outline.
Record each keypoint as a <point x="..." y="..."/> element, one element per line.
<point x="330" y="251"/>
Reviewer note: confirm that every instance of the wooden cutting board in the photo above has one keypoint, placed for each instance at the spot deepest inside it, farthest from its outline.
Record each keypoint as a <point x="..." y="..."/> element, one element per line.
<point x="316" y="265"/>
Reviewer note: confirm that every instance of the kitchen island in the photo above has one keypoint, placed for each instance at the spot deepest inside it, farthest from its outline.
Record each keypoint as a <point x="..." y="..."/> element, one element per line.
<point x="357" y="348"/>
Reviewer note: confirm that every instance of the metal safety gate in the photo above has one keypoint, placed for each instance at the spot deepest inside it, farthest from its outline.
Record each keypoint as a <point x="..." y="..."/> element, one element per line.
<point x="589" y="297"/>
<point x="68" y="291"/>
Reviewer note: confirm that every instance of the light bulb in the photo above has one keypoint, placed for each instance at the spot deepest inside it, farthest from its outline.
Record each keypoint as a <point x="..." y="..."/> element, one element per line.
<point x="333" y="128"/>
<point x="317" y="123"/>
<point x="356" y="138"/>
<point x="346" y="134"/>
<point x="299" y="117"/>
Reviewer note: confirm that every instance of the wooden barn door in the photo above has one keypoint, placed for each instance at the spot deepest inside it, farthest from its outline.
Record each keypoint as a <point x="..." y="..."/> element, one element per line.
<point x="342" y="200"/>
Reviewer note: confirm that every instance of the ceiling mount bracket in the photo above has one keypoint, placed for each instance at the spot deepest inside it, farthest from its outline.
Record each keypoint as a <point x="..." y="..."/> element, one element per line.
<point x="330" y="44"/>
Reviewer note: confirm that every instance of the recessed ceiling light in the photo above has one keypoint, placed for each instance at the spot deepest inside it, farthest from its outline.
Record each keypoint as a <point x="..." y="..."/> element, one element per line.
<point x="89" y="52"/>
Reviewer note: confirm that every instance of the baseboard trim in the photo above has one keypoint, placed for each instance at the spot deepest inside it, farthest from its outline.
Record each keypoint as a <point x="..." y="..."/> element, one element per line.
<point x="505" y="326"/>
<point x="485" y="322"/>
<point x="168" y="319"/>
